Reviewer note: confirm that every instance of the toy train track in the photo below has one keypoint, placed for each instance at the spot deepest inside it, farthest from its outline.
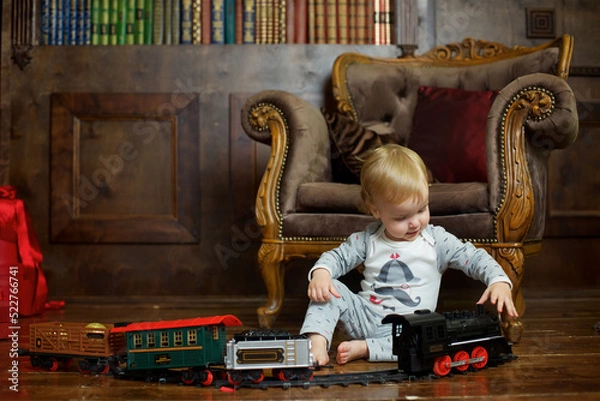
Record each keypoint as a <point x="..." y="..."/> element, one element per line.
<point x="323" y="380"/>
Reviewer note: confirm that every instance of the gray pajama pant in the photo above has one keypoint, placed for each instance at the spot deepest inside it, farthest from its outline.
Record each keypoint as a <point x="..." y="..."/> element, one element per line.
<point x="358" y="319"/>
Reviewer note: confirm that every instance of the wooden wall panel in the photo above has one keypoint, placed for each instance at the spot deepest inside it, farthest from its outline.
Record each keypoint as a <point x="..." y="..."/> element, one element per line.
<point x="574" y="179"/>
<point x="124" y="168"/>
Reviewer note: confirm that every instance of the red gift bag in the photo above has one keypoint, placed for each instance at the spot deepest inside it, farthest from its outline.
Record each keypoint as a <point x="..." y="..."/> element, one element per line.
<point x="20" y="258"/>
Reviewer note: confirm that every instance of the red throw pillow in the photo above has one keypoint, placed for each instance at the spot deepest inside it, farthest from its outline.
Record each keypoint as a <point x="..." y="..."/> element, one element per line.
<point x="449" y="132"/>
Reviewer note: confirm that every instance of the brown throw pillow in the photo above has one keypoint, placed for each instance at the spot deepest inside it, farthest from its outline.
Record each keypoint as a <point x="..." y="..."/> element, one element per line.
<point x="350" y="142"/>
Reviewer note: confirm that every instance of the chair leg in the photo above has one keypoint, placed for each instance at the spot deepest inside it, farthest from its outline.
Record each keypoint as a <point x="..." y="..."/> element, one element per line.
<point x="270" y="258"/>
<point x="512" y="261"/>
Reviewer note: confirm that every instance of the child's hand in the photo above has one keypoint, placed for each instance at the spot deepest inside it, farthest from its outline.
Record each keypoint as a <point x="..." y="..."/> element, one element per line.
<point x="321" y="286"/>
<point x="499" y="295"/>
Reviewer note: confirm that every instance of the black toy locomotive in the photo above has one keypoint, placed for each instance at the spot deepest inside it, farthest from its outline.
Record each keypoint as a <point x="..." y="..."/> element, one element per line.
<point x="431" y="342"/>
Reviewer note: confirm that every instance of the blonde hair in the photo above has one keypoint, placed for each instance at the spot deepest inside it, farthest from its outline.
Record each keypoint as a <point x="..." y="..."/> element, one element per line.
<point x="394" y="173"/>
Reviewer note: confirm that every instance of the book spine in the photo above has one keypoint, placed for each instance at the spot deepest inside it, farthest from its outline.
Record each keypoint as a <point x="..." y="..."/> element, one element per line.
<point x="300" y="21"/>
<point x="249" y="19"/>
<point x="168" y="22"/>
<point x="261" y="21"/>
<point x="342" y="22"/>
<point x="312" y="30"/>
<point x="104" y="21"/>
<point x="113" y="19"/>
<point x="95" y="22"/>
<point x="196" y="22"/>
<point x="186" y="22"/>
<point x="290" y="23"/>
<point x="44" y="22"/>
<point x="176" y="22"/>
<point x="360" y="18"/>
<point x="148" y="21"/>
<point x="205" y="21"/>
<point x="66" y="22"/>
<point x="320" y="29"/>
<point x="86" y="22"/>
<point x="352" y="19"/>
<point x="386" y="22"/>
<point x="139" y="22"/>
<point x="73" y="22"/>
<point x="269" y="22"/>
<point x="229" y="19"/>
<point x="331" y="21"/>
<point x="59" y="39"/>
<point x="158" y="22"/>
<point x="282" y="28"/>
<point x="130" y="22"/>
<point x="52" y="22"/>
<point x="239" y="21"/>
<point x="81" y="22"/>
<point x="121" y="25"/>
<point x="217" y="22"/>
<point x="370" y="21"/>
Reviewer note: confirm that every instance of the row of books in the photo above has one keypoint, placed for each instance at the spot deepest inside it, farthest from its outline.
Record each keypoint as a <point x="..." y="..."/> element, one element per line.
<point x="119" y="22"/>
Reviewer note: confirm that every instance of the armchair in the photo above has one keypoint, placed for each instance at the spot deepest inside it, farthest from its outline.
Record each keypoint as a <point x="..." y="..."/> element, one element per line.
<point x="304" y="208"/>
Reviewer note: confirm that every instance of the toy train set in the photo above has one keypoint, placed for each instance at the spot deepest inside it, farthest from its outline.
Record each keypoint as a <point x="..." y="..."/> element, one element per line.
<point x="196" y="351"/>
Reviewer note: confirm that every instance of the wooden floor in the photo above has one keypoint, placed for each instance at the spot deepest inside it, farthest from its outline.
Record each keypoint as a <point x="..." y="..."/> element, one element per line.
<point x="558" y="358"/>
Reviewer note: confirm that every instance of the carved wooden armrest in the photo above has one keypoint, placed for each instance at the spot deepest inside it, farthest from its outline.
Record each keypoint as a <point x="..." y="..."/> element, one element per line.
<point x="299" y="139"/>
<point x="531" y="116"/>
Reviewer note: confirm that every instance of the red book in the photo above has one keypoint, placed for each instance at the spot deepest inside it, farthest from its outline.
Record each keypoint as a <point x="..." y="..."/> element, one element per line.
<point x="239" y="21"/>
<point x="370" y="21"/>
<point x="205" y="21"/>
<point x="300" y="21"/>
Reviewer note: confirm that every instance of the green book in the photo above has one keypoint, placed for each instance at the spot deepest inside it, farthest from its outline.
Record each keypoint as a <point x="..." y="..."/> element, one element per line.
<point x="148" y="21"/>
<point x="104" y="21"/>
<point x="113" y="13"/>
<point x="95" y="22"/>
<point x="139" y="22"/>
<point x="130" y="22"/>
<point x="121" y="21"/>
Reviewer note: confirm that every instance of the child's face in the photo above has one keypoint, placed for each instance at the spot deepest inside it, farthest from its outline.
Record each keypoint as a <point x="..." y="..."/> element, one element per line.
<point x="402" y="221"/>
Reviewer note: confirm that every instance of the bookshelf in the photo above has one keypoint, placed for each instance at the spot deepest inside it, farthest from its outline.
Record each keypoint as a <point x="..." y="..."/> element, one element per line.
<point x="196" y="22"/>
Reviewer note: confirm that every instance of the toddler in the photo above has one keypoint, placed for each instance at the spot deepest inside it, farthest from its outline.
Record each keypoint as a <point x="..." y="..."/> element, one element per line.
<point x="404" y="258"/>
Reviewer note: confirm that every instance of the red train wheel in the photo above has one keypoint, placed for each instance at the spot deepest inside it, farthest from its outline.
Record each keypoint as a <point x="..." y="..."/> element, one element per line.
<point x="461" y="356"/>
<point x="441" y="365"/>
<point x="208" y="378"/>
<point x="234" y="378"/>
<point x="306" y="374"/>
<point x="257" y="377"/>
<point x="53" y="365"/>
<point x="103" y="370"/>
<point x="479" y="352"/>
<point x="188" y="377"/>
<point x="284" y="375"/>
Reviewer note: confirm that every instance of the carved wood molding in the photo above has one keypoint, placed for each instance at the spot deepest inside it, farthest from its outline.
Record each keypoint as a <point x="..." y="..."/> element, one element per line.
<point x="515" y="213"/>
<point x="469" y="49"/>
<point x="268" y="215"/>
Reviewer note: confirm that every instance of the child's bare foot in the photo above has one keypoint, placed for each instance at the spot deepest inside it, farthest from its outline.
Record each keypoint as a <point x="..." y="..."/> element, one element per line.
<point x="318" y="347"/>
<point x="349" y="351"/>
